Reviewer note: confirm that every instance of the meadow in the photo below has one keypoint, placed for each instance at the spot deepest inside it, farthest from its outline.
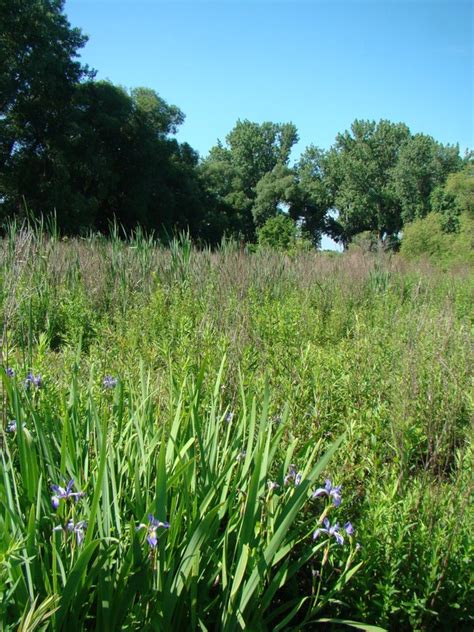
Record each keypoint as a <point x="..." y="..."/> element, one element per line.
<point x="197" y="440"/>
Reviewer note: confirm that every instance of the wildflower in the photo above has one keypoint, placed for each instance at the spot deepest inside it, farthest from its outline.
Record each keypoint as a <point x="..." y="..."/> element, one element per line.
<point x="293" y="476"/>
<point x="241" y="456"/>
<point x="78" y="528"/>
<point x="332" y="531"/>
<point x="349" y="529"/>
<point x="13" y="426"/>
<point x="154" y="524"/>
<point x="109" y="382"/>
<point x="272" y="485"/>
<point x="229" y="417"/>
<point x="34" y="380"/>
<point x="331" y="492"/>
<point x="64" y="493"/>
<point x="10" y="372"/>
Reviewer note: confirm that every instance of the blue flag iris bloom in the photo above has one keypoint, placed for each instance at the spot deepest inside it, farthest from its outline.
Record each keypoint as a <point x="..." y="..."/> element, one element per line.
<point x="64" y="493"/>
<point x="332" y="492"/>
<point x="152" y="528"/>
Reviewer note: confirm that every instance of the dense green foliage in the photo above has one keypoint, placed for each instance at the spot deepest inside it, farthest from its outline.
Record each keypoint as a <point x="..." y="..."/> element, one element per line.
<point x="278" y="232"/>
<point x="92" y="153"/>
<point x="195" y="399"/>
<point x="427" y="238"/>
<point x="85" y="150"/>
<point x="230" y="368"/>
<point x="423" y="164"/>
<point x="461" y="186"/>
<point x="446" y="235"/>
<point x="360" y="170"/>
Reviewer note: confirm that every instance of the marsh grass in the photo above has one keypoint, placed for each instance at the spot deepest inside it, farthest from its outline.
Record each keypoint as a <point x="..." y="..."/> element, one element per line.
<point x="361" y="358"/>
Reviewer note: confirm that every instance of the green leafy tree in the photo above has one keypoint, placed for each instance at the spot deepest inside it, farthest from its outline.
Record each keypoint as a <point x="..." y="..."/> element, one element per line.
<point x="233" y="171"/>
<point x="359" y="172"/>
<point x="460" y="185"/>
<point x="444" y="203"/>
<point x="38" y="76"/>
<point x="89" y="151"/>
<point x="229" y="207"/>
<point x="123" y="164"/>
<point x="425" y="237"/>
<point x="155" y="112"/>
<point x="256" y="149"/>
<point x="454" y="197"/>
<point x="276" y="188"/>
<point x="315" y="195"/>
<point x="423" y="165"/>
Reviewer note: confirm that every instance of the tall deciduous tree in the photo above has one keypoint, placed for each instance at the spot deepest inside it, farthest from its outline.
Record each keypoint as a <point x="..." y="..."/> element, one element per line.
<point x="257" y="148"/>
<point x="276" y="189"/>
<point x="87" y="150"/>
<point x="120" y="162"/>
<point x="423" y="164"/>
<point x="39" y="72"/>
<point x="358" y="170"/>
<point x="315" y="195"/>
<point x="248" y="177"/>
<point x="461" y="186"/>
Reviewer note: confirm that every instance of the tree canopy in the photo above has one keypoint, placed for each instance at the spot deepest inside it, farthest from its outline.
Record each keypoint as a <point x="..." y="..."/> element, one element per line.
<point x="248" y="177"/>
<point x="359" y="168"/>
<point x="92" y="152"/>
<point x="423" y="164"/>
<point x="38" y="75"/>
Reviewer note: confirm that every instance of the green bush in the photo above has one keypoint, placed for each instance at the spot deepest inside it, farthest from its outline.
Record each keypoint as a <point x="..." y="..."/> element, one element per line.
<point x="281" y="233"/>
<point x="429" y="238"/>
<point x="278" y="232"/>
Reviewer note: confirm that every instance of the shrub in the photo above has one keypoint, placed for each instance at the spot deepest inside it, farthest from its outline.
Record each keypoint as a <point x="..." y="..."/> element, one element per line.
<point x="279" y="233"/>
<point x="432" y="238"/>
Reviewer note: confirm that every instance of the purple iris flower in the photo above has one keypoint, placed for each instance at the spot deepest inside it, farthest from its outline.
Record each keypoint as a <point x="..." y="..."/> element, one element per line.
<point x="109" y="382"/>
<point x="293" y="476"/>
<point x="78" y="528"/>
<point x="349" y="529"/>
<point x="10" y="372"/>
<point x="331" y="492"/>
<point x="152" y="528"/>
<point x="229" y="417"/>
<point x="272" y="485"/>
<point x="13" y="426"/>
<point x="64" y="493"/>
<point x="332" y="531"/>
<point x="33" y="380"/>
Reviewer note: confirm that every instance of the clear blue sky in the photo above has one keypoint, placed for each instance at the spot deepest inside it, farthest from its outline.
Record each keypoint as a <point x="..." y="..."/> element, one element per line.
<point x="319" y="64"/>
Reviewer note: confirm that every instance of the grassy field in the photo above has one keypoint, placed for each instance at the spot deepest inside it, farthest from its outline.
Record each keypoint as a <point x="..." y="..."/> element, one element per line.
<point x="199" y="402"/>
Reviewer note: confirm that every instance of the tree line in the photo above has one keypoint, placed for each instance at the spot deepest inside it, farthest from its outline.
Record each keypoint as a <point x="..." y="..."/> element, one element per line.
<point x="92" y="152"/>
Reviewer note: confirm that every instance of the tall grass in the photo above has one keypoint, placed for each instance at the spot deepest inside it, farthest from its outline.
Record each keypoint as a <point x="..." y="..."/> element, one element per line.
<point x="234" y="543"/>
<point x="231" y="369"/>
